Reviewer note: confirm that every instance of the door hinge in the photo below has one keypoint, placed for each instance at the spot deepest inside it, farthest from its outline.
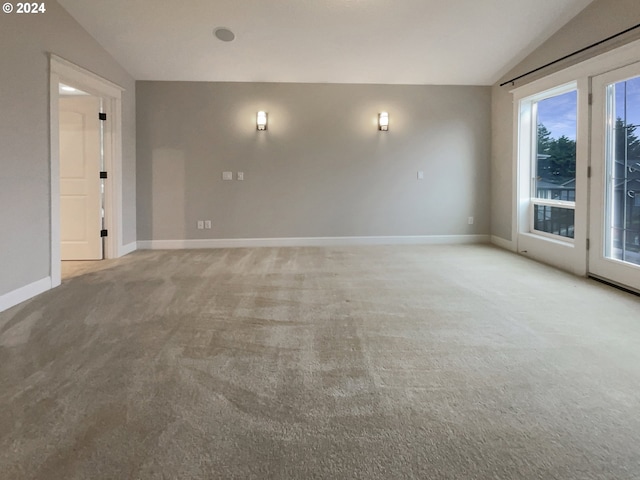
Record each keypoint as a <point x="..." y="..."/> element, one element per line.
<point x="589" y="172"/>
<point x="102" y="116"/>
<point x="588" y="244"/>
<point x="104" y="233"/>
<point x="591" y="99"/>
<point x="103" y="174"/>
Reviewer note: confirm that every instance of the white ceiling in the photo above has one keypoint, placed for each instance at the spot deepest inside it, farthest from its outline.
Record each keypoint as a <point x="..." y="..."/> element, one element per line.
<point x="447" y="42"/>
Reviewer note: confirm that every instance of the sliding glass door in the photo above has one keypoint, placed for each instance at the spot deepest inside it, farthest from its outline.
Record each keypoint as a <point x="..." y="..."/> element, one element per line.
<point x="615" y="184"/>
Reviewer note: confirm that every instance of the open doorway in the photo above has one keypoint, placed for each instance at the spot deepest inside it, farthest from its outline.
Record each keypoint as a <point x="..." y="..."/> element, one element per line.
<point x="86" y="191"/>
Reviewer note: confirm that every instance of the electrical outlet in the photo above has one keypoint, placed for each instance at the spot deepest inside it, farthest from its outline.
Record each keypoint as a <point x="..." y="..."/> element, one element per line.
<point x="470" y="220"/>
<point x="207" y="224"/>
<point x="227" y="175"/>
<point x="240" y="175"/>
<point x="200" y="224"/>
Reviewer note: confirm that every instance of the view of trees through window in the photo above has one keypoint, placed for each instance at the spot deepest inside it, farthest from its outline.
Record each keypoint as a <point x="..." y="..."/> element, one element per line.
<point x="624" y="169"/>
<point x="555" y="163"/>
<point x="556" y="157"/>
<point x="554" y="167"/>
<point x="556" y="147"/>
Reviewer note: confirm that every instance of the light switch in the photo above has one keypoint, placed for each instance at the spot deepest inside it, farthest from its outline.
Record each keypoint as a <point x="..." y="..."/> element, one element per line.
<point x="240" y="176"/>
<point x="227" y="175"/>
<point x="420" y="175"/>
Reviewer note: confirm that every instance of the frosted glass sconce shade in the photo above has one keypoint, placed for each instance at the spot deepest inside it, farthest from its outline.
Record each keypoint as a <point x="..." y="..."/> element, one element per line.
<point x="261" y="120"/>
<point x="383" y="121"/>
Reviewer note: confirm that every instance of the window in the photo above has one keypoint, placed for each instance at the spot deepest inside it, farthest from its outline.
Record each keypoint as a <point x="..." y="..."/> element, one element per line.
<point x="548" y="159"/>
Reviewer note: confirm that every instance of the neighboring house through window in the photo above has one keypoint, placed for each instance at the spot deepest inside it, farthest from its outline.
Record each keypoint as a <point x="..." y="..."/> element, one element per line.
<point x="549" y="159"/>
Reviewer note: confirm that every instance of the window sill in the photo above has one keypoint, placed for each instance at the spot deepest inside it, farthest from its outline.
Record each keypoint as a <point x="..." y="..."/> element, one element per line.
<point x="569" y="243"/>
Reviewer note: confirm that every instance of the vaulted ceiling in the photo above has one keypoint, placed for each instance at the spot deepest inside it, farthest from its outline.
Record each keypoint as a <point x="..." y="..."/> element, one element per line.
<point x="446" y="42"/>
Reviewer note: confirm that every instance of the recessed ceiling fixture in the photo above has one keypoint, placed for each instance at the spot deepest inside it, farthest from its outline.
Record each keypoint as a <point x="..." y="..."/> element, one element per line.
<point x="224" y="34"/>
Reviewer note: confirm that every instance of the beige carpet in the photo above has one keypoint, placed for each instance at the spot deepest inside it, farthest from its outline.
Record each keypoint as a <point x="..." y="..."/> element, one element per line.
<point x="459" y="362"/>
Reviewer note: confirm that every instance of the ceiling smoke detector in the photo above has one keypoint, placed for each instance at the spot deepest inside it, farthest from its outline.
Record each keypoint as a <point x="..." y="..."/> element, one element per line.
<point x="224" y="34"/>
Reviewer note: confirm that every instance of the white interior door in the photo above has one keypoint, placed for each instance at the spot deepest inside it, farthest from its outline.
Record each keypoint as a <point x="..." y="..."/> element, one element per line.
<point x="615" y="182"/>
<point x="80" y="194"/>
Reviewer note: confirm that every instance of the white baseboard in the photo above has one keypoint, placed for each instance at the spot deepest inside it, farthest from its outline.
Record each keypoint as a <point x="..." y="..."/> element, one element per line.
<point x="21" y="294"/>
<point x="312" y="241"/>
<point x="128" y="248"/>
<point x="502" y="243"/>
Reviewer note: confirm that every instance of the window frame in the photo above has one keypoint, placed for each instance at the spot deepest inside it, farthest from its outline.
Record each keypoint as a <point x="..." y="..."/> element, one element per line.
<point x="527" y="161"/>
<point x="572" y="257"/>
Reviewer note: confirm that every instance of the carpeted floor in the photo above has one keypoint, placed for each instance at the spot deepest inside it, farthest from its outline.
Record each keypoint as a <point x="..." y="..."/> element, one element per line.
<point x="427" y="362"/>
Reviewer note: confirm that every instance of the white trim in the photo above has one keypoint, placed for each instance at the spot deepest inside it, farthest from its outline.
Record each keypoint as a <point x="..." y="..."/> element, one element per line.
<point x="550" y="236"/>
<point x="502" y="243"/>
<point x="583" y="71"/>
<point x="312" y="241"/>
<point x="83" y="77"/>
<point x="553" y="252"/>
<point x="113" y="188"/>
<point x="54" y="165"/>
<point x="127" y="249"/>
<point x="553" y="203"/>
<point x="566" y="256"/>
<point x="565" y="253"/>
<point x="62" y="70"/>
<point x="21" y="294"/>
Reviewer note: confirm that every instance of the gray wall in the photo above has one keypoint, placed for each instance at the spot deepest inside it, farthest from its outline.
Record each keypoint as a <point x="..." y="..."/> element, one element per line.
<point x="322" y="168"/>
<point x="24" y="135"/>
<point x="599" y="20"/>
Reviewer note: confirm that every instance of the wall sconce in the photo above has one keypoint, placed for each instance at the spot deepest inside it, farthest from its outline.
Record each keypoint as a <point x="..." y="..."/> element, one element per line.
<point x="261" y="120"/>
<point x="383" y="121"/>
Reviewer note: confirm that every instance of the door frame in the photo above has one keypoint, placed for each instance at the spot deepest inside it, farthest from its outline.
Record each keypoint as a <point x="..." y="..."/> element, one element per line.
<point x="600" y="266"/>
<point x="63" y="71"/>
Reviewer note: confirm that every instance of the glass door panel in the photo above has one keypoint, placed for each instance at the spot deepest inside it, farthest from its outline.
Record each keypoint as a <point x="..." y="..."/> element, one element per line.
<point x="615" y="186"/>
<point x="623" y="171"/>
